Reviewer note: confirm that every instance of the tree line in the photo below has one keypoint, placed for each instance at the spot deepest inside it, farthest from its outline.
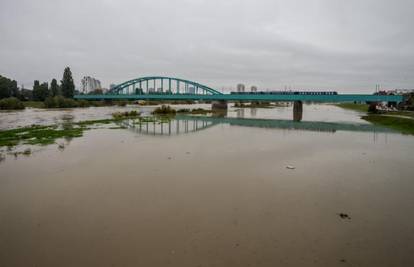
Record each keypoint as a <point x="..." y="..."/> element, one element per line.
<point x="41" y="91"/>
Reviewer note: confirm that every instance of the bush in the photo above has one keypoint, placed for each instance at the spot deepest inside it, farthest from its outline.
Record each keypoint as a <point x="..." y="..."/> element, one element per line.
<point x="121" y="103"/>
<point x="126" y="114"/>
<point x="11" y="103"/>
<point x="83" y="103"/>
<point x="164" y="110"/>
<point x="184" y="110"/>
<point x="60" y="102"/>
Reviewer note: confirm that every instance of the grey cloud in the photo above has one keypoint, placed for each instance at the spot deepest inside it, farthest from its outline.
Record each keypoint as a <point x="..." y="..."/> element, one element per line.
<point x="326" y="44"/>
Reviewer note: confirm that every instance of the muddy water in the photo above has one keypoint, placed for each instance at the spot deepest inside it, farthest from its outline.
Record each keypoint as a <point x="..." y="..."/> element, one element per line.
<point x="217" y="196"/>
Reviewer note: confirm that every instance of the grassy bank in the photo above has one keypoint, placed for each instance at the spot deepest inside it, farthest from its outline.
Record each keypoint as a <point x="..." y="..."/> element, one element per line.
<point x="403" y="125"/>
<point x="352" y="106"/>
<point x="394" y="120"/>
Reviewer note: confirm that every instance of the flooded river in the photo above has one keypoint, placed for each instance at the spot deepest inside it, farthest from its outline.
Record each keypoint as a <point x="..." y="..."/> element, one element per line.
<point x="248" y="189"/>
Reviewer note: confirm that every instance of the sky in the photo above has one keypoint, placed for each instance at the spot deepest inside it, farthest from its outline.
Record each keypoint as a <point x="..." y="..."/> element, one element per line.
<point x="347" y="46"/>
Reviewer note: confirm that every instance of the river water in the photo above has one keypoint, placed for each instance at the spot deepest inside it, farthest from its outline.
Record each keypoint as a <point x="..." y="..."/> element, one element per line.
<point x="211" y="192"/>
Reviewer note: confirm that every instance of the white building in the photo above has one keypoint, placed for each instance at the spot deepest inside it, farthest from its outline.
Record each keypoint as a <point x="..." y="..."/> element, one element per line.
<point x="90" y="84"/>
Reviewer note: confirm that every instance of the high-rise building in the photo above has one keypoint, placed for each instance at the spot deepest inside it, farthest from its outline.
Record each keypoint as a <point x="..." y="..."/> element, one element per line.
<point x="241" y="87"/>
<point x="90" y="84"/>
<point x="253" y="88"/>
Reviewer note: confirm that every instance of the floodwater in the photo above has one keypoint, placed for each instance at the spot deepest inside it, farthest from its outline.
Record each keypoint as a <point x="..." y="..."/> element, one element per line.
<point x="211" y="192"/>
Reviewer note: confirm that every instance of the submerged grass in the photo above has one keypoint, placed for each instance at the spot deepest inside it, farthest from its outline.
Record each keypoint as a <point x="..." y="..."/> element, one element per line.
<point x="44" y="135"/>
<point x="403" y="125"/>
<point x="34" y="135"/>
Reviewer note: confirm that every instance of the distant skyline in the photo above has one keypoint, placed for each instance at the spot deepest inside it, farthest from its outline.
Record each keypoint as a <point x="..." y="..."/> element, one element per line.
<point x="347" y="46"/>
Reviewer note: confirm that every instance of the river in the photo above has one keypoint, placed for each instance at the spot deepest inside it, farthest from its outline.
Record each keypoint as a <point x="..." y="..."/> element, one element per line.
<point x="249" y="189"/>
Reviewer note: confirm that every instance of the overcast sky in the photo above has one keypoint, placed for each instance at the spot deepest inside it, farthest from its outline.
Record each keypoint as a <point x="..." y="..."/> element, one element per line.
<point x="347" y="46"/>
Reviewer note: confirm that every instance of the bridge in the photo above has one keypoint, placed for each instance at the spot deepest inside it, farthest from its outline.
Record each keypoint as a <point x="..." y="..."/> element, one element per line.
<point x="160" y="88"/>
<point x="167" y="88"/>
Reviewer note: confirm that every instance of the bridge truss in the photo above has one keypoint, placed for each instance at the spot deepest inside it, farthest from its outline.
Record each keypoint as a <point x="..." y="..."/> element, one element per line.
<point x="161" y="85"/>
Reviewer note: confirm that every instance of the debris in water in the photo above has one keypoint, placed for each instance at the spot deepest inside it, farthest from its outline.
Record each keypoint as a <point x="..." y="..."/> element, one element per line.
<point x="343" y="260"/>
<point x="344" y="216"/>
<point x="27" y="151"/>
<point x="169" y="157"/>
<point x="290" y="167"/>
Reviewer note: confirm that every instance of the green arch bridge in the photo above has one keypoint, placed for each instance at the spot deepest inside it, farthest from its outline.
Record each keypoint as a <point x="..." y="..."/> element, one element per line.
<point x="168" y="88"/>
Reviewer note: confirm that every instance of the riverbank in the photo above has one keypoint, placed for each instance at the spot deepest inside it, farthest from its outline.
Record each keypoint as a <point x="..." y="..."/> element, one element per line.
<point x="403" y="125"/>
<point x="402" y="121"/>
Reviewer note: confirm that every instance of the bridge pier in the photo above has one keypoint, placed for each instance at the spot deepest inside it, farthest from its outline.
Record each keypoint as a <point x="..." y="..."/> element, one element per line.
<point x="297" y="110"/>
<point x="220" y="104"/>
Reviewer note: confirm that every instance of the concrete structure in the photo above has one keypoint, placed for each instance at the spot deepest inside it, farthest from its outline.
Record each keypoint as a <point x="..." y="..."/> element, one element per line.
<point x="90" y="84"/>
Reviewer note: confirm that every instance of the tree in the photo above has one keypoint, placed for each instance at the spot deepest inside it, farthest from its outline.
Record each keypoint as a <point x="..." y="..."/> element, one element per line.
<point x="14" y="90"/>
<point x="54" y="88"/>
<point x="8" y="88"/>
<point x="67" y="85"/>
<point x="40" y="91"/>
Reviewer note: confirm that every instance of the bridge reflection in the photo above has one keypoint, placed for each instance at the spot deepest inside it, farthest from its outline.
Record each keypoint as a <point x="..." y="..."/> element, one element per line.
<point x="183" y="124"/>
<point x="174" y="126"/>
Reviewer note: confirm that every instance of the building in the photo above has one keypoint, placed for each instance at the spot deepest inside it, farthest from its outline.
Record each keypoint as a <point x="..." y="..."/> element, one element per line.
<point x="241" y="88"/>
<point x="90" y="84"/>
<point x="253" y="88"/>
<point x="112" y="86"/>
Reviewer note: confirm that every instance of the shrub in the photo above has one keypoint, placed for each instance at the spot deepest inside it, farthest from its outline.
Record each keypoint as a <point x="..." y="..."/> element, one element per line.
<point x="60" y="102"/>
<point x="122" y="103"/>
<point x="83" y="103"/>
<point x="11" y="103"/>
<point x="126" y="114"/>
<point x="164" y="110"/>
<point x="184" y="110"/>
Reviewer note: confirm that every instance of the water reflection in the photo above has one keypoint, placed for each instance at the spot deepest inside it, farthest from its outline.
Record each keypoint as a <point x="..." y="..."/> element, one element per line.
<point x="171" y="127"/>
<point x="182" y="124"/>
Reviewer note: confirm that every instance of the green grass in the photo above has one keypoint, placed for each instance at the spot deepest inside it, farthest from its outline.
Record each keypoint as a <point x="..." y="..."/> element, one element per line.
<point x="352" y="106"/>
<point x="44" y="135"/>
<point x="37" y="135"/>
<point x="403" y="125"/>
<point x="402" y="113"/>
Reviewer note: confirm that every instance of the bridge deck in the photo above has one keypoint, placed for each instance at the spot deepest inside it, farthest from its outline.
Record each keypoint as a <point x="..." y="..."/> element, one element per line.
<point x="246" y="97"/>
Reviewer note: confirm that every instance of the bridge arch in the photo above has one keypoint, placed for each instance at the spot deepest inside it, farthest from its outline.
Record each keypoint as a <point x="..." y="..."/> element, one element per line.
<point x="142" y="85"/>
